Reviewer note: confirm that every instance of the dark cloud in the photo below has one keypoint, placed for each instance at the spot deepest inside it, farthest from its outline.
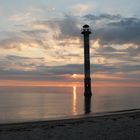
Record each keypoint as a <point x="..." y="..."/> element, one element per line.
<point x="124" y="31"/>
<point x="107" y="49"/>
<point x="53" y="73"/>
<point x="129" y="55"/>
<point x="13" y="65"/>
<point x="24" y="63"/>
<point x="14" y="58"/>
<point x="9" y="43"/>
<point x="117" y="29"/>
<point x="35" y="32"/>
<point x="14" y="43"/>
<point x="78" y="68"/>
<point x="69" y="27"/>
<point x="132" y="51"/>
<point x="58" y="73"/>
<point x="102" y="16"/>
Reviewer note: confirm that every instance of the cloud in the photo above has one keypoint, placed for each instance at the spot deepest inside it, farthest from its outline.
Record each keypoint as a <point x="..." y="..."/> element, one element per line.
<point x="20" y="43"/>
<point x="69" y="27"/>
<point x="110" y="29"/>
<point x="65" y="72"/>
<point x="35" y="32"/>
<point x="102" y="16"/>
<point x="127" y="50"/>
<point x="116" y="29"/>
<point x="133" y="51"/>
<point x="20" y="17"/>
<point x="20" y="63"/>
<point x="21" y="58"/>
<point x="53" y="49"/>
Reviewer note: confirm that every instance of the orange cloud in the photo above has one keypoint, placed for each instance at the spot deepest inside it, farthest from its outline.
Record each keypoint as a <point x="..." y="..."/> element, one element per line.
<point x="14" y="83"/>
<point x="38" y="83"/>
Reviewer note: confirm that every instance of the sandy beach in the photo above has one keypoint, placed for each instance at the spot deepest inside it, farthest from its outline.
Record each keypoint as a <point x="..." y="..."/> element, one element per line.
<point x="116" y="126"/>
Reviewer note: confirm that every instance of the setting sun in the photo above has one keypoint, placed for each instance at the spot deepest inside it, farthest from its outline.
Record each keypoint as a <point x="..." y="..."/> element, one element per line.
<point x="74" y="75"/>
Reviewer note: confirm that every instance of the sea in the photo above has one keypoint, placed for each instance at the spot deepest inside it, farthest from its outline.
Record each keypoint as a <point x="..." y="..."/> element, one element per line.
<point x="25" y="104"/>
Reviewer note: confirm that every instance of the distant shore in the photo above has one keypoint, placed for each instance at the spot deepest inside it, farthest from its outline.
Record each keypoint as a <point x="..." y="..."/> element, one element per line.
<point x="122" y="125"/>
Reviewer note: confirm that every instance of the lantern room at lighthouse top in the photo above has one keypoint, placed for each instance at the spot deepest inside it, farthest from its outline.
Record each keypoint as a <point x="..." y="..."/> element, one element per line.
<point x="86" y="29"/>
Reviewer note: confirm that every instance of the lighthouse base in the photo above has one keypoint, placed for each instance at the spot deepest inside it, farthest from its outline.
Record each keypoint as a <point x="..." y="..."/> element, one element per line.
<point x="87" y="104"/>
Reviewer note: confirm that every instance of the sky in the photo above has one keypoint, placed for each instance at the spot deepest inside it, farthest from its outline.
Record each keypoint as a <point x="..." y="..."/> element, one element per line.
<point x="41" y="43"/>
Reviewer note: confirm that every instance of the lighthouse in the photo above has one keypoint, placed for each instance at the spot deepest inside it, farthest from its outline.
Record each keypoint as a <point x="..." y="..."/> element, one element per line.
<point x="87" y="80"/>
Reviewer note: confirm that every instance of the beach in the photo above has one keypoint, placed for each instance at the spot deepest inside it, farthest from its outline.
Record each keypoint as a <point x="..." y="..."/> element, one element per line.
<point x="112" y="126"/>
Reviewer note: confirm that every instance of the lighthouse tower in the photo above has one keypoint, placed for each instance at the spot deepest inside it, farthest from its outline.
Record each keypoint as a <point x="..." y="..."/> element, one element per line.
<point x="87" y="80"/>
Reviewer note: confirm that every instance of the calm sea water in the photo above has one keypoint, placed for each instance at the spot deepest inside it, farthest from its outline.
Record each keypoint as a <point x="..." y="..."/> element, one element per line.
<point x="21" y="104"/>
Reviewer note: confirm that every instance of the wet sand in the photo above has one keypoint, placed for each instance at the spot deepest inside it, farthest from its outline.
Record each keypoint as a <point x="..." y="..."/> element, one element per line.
<point x="117" y="126"/>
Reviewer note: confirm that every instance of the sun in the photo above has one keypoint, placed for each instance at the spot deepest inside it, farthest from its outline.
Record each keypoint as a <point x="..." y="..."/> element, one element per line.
<point x="74" y="75"/>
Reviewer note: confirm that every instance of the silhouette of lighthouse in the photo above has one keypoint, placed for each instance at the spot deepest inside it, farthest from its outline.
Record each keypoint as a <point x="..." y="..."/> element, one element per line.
<point x="87" y="80"/>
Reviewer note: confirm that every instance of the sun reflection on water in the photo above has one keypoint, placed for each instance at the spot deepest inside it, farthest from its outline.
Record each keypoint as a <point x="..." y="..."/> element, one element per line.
<point x="74" y="102"/>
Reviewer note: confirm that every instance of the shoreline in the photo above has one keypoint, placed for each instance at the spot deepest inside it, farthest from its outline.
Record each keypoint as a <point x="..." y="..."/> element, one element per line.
<point x="74" y="117"/>
<point x="121" y="124"/>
